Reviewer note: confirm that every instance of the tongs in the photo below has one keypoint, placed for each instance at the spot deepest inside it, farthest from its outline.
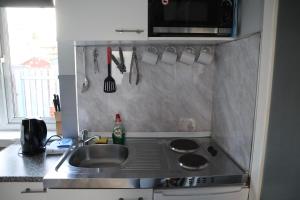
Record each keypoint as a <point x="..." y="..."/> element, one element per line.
<point x="96" y="64"/>
<point x="134" y="60"/>
<point x="120" y="65"/>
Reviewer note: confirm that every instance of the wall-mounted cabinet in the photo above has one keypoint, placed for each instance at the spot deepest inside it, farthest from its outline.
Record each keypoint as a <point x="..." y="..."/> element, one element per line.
<point x="119" y="20"/>
<point x="93" y="20"/>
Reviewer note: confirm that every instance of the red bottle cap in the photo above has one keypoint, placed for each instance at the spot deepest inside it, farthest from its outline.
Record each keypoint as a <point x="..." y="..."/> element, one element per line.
<point x="118" y="118"/>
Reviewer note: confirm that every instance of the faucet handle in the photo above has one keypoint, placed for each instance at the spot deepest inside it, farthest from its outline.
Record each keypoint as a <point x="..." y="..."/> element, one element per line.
<point x="84" y="134"/>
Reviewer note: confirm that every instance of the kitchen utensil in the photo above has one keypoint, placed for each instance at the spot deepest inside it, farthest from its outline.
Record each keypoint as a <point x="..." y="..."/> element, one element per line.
<point x="206" y="56"/>
<point x="120" y="65"/>
<point x="109" y="82"/>
<point x="56" y="102"/>
<point x="96" y="64"/>
<point x="123" y="67"/>
<point x="134" y="61"/>
<point x="85" y="84"/>
<point x="150" y="56"/>
<point x="188" y="56"/>
<point x="33" y="136"/>
<point x="169" y="55"/>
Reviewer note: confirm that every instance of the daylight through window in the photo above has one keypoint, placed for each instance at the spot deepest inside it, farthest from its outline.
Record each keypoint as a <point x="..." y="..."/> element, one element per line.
<point x="33" y="61"/>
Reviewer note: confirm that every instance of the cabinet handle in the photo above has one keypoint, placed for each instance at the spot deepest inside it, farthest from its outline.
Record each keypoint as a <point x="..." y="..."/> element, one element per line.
<point x="138" y="31"/>
<point x="140" y="198"/>
<point x="28" y="190"/>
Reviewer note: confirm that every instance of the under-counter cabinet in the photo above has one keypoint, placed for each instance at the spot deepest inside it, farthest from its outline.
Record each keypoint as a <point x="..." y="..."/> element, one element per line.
<point x="22" y="191"/>
<point x="94" y="20"/>
<point x="103" y="194"/>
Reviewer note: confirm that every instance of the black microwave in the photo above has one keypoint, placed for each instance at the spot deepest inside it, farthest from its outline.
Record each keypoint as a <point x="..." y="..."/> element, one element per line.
<point x="192" y="18"/>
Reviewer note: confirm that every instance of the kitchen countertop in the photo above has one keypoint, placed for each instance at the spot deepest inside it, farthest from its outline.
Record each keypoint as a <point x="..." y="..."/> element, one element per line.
<point x="10" y="137"/>
<point x="16" y="167"/>
<point x="150" y="164"/>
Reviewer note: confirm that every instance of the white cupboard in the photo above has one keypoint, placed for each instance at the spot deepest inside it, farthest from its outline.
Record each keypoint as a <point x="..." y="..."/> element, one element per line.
<point x="22" y="191"/>
<point x="99" y="20"/>
<point x="103" y="194"/>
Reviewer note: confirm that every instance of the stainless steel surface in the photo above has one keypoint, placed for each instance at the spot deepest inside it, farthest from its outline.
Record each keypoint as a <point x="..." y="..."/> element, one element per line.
<point x="191" y="30"/>
<point x="150" y="164"/>
<point x="120" y="65"/>
<point x="16" y="167"/>
<point x="123" y="67"/>
<point x="84" y="134"/>
<point x="134" y="61"/>
<point x="138" y="31"/>
<point x="96" y="64"/>
<point x="84" y="142"/>
<point x="99" y="156"/>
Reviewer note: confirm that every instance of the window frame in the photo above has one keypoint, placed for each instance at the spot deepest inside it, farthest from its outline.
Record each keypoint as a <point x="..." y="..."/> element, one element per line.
<point x="8" y="121"/>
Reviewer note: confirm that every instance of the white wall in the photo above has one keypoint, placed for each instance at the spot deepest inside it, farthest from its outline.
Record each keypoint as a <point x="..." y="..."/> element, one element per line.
<point x="66" y="62"/>
<point x="263" y="97"/>
<point x="251" y="16"/>
<point x="282" y="164"/>
<point x="66" y="59"/>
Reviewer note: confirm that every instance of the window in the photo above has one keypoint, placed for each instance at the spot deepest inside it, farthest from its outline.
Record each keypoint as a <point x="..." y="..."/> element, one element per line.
<point x="30" y="65"/>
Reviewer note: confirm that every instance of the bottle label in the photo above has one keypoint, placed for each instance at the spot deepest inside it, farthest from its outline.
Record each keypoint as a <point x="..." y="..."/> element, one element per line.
<point x="118" y="132"/>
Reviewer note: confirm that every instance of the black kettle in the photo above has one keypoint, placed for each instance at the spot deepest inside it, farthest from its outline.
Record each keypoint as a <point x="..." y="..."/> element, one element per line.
<point x="33" y="136"/>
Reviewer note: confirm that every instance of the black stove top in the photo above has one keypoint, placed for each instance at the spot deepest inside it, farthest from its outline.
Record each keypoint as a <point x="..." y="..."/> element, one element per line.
<point x="192" y="161"/>
<point x="184" y="145"/>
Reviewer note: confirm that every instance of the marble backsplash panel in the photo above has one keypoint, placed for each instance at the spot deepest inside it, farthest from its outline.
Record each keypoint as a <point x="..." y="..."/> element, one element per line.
<point x="234" y="97"/>
<point x="169" y="98"/>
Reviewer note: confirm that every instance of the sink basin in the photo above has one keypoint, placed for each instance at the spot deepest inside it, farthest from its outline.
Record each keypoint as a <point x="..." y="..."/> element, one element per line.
<point x="99" y="156"/>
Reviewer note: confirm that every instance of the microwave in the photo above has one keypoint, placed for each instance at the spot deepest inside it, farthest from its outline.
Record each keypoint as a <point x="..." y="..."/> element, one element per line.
<point x="192" y="18"/>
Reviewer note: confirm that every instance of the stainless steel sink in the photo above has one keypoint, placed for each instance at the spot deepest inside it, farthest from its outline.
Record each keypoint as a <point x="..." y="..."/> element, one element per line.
<point x="141" y="163"/>
<point x="99" y="156"/>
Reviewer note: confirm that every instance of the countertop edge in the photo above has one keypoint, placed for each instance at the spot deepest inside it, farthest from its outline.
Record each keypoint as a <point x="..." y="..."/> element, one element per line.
<point x="7" y="179"/>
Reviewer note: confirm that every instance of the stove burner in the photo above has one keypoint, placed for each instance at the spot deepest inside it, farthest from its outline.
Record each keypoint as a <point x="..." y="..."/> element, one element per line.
<point x="192" y="161"/>
<point x="184" y="145"/>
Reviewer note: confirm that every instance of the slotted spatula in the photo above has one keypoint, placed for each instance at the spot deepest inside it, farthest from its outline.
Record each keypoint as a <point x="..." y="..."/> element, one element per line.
<point x="109" y="82"/>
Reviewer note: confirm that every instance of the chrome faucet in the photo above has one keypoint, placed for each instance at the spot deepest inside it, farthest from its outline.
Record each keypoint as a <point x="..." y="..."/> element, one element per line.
<point x="84" y="137"/>
<point x="84" y="134"/>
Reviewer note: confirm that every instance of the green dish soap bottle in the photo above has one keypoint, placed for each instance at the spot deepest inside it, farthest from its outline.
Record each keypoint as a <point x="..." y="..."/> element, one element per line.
<point x="118" y="134"/>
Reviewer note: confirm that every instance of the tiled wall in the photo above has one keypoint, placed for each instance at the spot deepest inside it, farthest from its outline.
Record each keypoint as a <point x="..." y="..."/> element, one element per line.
<point x="234" y="96"/>
<point x="166" y="98"/>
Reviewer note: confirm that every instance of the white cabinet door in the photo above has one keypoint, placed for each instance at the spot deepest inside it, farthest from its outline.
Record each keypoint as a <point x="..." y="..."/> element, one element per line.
<point x="103" y="194"/>
<point x="17" y="191"/>
<point x="213" y="193"/>
<point x="92" y="20"/>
